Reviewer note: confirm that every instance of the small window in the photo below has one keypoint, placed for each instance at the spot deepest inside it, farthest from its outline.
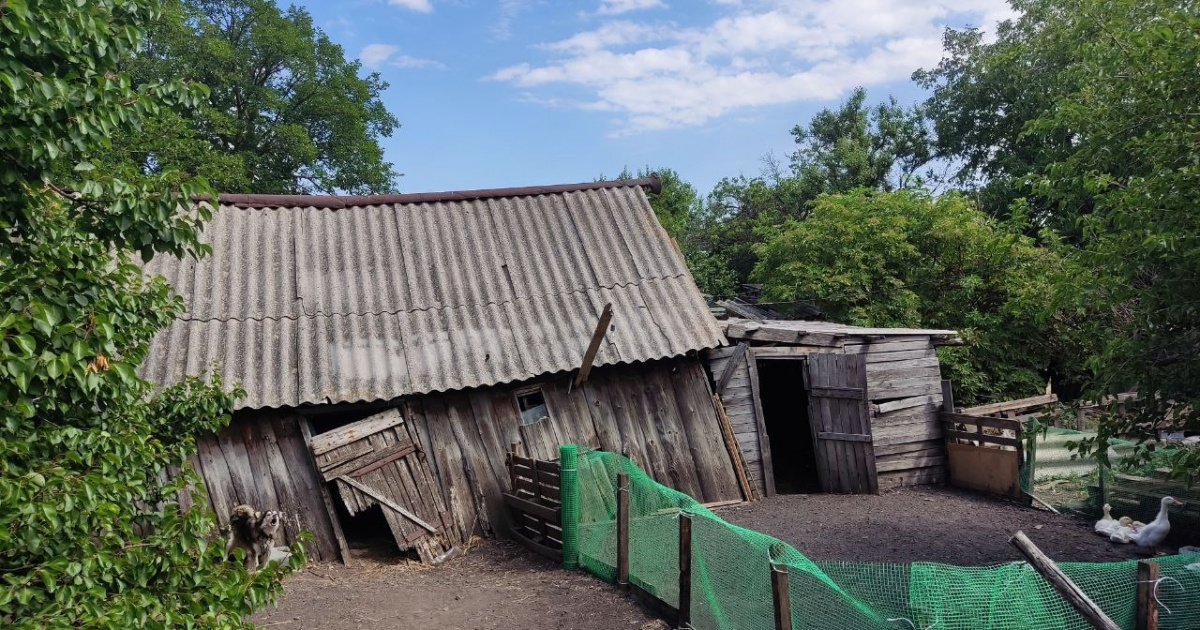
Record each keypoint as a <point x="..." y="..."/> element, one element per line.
<point x="533" y="406"/>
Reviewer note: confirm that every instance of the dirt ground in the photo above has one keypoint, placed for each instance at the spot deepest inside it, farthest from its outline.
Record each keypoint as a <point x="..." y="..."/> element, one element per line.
<point x="924" y="523"/>
<point x="496" y="585"/>
<point x="501" y="585"/>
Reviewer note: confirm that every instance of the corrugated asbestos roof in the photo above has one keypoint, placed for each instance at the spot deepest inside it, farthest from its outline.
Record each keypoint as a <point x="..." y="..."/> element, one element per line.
<point x="371" y="298"/>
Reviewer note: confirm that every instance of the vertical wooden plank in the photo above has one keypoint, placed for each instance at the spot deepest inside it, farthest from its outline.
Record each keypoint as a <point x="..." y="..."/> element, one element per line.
<point x="260" y="469"/>
<point x="694" y="401"/>
<point x="1147" y="603"/>
<point x="229" y="442"/>
<point x="864" y="415"/>
<point x="780" y="598"/>
<point x="304" y="467"/>
<point x="662" y="419"/>
<point x="216" y="476"/>
<point x="490" y="443"/>
<point x="685" y="570"/>
<point x="623" y="530"/>
<point x="439" y="415"/>
<point x="276" y="471"/>
<point x="947" y="396"/>
<point x="764" y="443"/>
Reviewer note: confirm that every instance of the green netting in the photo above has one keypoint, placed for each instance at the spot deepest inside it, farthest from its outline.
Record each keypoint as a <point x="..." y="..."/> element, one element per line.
<point x="731" y="576"/>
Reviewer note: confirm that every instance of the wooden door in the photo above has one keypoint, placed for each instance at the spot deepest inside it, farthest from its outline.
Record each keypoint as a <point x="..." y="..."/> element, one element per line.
<point x="378" y="461"/>
<point x="841" y="422"/>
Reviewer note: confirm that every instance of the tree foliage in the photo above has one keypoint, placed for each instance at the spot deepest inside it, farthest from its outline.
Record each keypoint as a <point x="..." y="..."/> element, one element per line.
<point x="89" y="536"/>
<point x="907" y="259"/>
<point x="286" y="113"/>
<point x="1135" y="154"/>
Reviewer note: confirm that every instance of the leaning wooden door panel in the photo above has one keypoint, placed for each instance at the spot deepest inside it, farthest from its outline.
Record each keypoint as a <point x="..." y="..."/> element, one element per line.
<point x="841" y="422"/>
<point x="378" y="461"/>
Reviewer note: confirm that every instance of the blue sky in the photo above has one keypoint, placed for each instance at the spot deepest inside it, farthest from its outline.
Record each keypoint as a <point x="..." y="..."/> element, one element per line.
<point x="520" y="92"/>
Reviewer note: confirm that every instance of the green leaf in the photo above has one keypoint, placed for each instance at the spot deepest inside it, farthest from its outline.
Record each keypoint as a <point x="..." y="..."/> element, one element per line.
<point x="26" y="344"/>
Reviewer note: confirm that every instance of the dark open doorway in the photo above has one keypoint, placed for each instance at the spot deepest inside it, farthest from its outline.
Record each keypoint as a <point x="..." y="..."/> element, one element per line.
<point x="785" y="414"/>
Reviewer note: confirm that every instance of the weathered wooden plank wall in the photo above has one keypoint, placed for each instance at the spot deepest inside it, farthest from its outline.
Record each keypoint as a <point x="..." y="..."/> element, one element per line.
<point x="261" y="460"/>
<point x="738" y="399"/>
<point x="660" y="413"/>
<point x="903" y="386"/>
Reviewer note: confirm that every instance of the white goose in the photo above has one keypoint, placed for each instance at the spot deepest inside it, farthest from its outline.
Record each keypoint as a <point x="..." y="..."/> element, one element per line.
<point x="1153" y="534"/>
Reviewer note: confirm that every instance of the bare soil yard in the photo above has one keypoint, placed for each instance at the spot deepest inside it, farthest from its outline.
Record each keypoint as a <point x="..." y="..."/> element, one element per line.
<point x="496" y="585"/>
<point x="501" y="585"/>
<point x="924" y="523"/>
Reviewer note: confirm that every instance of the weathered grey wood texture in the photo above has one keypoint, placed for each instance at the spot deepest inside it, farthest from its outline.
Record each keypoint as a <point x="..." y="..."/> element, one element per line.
<point x="260" y="459"/>
<point x="903" y="391"/>
<point x="840" y="422"/>
<point x="376" y="461"/>
<point x="661" y="413"/>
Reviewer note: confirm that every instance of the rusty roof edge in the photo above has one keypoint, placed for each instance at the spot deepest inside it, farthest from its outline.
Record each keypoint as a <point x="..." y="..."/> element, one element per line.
<point x="653" y="182"/>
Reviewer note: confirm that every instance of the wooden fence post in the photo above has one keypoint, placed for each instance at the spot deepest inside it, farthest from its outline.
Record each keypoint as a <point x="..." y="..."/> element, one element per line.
<point x="623" y="530"/>
<point x="1147" y="605"/>
<point x="779" y="595"/>
<point x="1062" y="584"/>
<point x="685" y="570"/>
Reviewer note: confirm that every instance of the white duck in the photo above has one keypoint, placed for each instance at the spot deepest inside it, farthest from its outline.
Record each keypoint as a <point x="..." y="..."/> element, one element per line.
<point x="1107" y="524"/>
<point x="1154" y="533"/>
<point x="1126" y="529"/>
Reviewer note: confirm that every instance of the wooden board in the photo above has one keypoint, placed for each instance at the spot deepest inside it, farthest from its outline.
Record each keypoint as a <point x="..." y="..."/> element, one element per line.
<point x="836" y="387"/>
<point x="744" y="410"/>
<point x="985" y="469"/>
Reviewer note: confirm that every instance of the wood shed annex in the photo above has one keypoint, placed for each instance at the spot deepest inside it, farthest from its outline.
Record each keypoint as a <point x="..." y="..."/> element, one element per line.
<point x="817" y="406"/>
<point x="393" y="347"/>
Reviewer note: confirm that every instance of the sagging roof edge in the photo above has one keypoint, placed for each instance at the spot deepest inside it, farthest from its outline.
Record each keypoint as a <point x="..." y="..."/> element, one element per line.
<point x="653" y="182"/>
<point x="309" y="405"/>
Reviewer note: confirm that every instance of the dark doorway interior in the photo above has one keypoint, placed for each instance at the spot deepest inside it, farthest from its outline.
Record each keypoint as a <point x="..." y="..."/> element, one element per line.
<point x="785" y="413"/>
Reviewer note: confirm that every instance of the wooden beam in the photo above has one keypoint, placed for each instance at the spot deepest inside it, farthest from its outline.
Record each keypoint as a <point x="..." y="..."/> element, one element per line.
<point x="764" y="442"/>
<point x="353" y="432"/>
<point x="685" y="570"/>
<point x="386" y="502"/>
<point x="735" y="449"/>
<point x="947" y="396"/>
<point x="1147" y="603"/>
<point x="533" y="508"/>
<point x="1062" y="584"/>
<point x="594" y="345"/>
<point x="343" y="548"/>
<point x="1011" y="405"/>
<point x="779" y="596"/>
<point x="623" y="530"/>
<point x="844" y="437"/>
<point x="980" y="437"/>
<point x="731" y="367"/>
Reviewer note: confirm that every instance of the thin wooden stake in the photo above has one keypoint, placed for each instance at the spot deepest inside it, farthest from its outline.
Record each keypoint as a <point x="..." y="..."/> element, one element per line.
<point x="779" y="594"/>
<point x="623" y="530"/>
<point x="735" y="450"/>
<point x="685" y="570"/>
<point x="1147" y="604"/>
<point x="1061" y="583"/>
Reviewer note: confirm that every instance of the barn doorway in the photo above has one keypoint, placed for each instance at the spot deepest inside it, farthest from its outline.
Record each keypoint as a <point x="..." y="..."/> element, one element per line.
<point x="786" y="417"/>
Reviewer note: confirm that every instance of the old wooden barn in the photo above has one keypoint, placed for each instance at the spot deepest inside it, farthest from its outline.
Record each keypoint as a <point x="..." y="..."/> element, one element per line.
<point x="393" y="347"/>
<point x="820" y="406"/>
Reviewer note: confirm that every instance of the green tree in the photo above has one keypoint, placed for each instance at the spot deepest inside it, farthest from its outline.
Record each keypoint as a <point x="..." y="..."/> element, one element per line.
<point x="286" y="112"/>
<point x="1135" y="155"/>
<point x="89" y="535"/>
<point x="908" y="259"/>
<point x="883" y="148"/>
<point x="984" y="94"/>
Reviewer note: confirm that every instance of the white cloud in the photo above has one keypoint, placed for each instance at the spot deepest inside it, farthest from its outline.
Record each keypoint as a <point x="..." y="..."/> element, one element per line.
<point x="617" y="7"/>
<point x="663" y="75"/>
<point x="373" y="55"/>
<point x="407" y="61"/>
<point x="421" y="6"/>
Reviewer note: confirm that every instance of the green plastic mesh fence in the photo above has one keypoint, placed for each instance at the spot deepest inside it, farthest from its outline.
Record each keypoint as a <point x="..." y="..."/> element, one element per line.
<point x="731" y="577"/>
<point x="568" y="457"/>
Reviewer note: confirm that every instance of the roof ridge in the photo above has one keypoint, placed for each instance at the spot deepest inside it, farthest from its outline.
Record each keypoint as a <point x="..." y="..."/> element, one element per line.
<point x="241" y="200"/>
